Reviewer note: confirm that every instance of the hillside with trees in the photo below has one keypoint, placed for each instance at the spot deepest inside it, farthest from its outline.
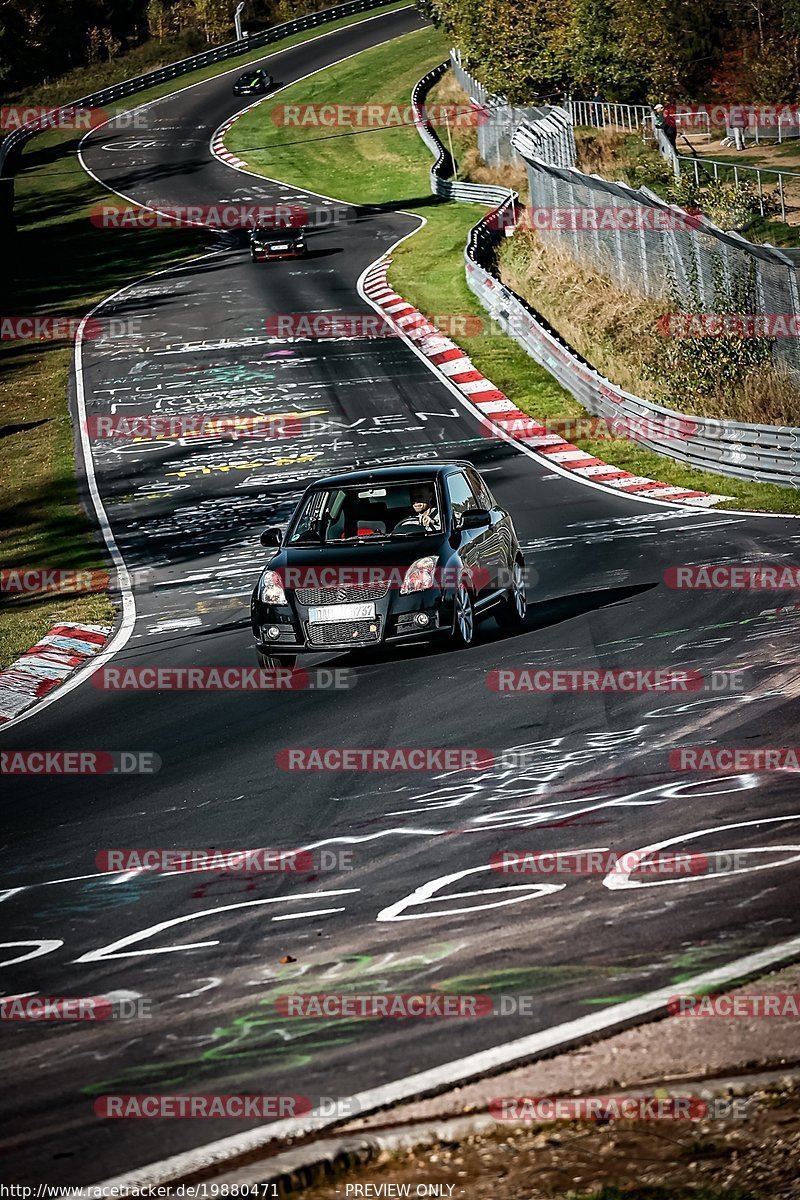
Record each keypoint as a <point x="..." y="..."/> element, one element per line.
<point x="735" y="51"/>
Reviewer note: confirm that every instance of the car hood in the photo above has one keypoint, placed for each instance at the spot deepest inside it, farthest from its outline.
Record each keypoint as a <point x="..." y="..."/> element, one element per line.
<point x="399" y="554"/>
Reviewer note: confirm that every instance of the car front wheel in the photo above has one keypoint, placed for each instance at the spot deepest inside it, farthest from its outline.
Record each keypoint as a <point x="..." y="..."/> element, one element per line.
<point x="463" y="632"/>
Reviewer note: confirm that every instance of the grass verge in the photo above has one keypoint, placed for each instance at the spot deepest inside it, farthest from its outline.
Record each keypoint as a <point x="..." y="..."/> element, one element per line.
<point x="62" y="265"/>
<point x="390" y="166"/>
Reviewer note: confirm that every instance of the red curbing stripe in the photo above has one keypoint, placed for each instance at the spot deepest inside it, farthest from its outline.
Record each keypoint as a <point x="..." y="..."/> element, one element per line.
<point x="445" y="356"/>
<point x="510" y="418"/>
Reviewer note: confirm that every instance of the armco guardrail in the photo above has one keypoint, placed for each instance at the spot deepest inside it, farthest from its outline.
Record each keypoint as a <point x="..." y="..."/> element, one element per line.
<point x="13" y="143"/>
<point x="766" y="453"/>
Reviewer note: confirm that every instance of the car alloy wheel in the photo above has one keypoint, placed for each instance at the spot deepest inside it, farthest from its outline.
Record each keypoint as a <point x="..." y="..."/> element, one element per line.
<point x="463" y="617"/>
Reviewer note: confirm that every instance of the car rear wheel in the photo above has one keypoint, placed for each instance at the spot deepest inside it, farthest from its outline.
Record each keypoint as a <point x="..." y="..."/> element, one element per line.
<point x="270" y="662"/>
<point x="463" y="632"/>
<point x="511" y="614"/>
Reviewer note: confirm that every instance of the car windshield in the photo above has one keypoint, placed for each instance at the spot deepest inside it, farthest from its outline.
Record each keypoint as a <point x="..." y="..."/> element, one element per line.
<point x="278" y="231"/>
<point x="368" y="513"/>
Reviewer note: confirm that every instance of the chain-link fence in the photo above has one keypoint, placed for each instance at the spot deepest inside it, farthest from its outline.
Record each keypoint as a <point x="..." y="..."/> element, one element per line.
<point x="767" y="453"/>
<point x="658" y="250"/>
<point x="549" y="127"/>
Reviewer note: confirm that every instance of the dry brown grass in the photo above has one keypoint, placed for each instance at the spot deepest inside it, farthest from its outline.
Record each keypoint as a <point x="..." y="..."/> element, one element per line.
<point x="617" y="332"/>
<point x="599" y="151"/>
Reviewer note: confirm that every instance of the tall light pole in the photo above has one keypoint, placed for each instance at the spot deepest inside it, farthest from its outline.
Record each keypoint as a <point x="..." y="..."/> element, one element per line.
<point x="237" y="20"/>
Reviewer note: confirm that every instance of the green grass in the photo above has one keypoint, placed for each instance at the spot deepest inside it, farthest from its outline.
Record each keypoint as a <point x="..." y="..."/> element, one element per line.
<point x="390" y="166"/>
<point x="62" y="265"/>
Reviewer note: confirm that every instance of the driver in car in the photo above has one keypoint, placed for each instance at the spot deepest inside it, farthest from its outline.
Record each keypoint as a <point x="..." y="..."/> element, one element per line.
<point x="425" y="512"/>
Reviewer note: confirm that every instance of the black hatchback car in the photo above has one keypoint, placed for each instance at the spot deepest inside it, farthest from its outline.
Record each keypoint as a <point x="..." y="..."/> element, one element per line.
<point x="385" y="556"/>
<point x="287" y="242"/>
<point x="253" y="83"/>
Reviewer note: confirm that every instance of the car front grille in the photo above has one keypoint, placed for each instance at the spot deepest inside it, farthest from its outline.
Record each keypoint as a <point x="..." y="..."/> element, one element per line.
<point x="335" y="633"/>
<point x="344" y="595"/>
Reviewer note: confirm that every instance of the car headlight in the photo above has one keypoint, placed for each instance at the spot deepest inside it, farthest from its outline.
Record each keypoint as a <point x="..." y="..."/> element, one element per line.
<point x="420" y="576"/>
<point x="270" y="588"/>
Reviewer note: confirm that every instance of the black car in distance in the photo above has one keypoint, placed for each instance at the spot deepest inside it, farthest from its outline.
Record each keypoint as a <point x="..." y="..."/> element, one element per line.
<point x="390" y="555"/>
<point x="253" y="83"/>
<point x="267" y="243"/>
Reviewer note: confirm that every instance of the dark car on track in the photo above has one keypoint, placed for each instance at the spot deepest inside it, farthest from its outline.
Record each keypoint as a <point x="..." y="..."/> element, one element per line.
<point x="253" y="83"/>
<point x="384" y="556"/>
<point x="277" y="243"/>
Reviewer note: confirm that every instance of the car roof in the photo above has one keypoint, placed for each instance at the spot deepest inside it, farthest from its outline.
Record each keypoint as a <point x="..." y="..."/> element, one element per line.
<point x="415" y="470"/>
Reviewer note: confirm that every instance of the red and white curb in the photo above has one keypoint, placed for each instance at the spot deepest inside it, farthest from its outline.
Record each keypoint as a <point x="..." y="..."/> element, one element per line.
<point x="47" y="664"/>
<point x="218" y="145"/>
<point x="493" y="404"/>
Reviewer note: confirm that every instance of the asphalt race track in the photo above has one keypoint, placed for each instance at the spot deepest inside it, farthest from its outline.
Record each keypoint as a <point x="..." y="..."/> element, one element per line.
<point x="186" y="518"/>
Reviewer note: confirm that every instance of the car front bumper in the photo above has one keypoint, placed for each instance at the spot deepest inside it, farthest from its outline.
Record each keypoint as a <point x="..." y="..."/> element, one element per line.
<point x="408" y="618"/>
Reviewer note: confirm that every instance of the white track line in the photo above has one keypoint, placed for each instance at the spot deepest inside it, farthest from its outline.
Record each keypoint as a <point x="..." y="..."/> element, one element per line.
<point x="122" y="635"/>
<point x="457" y="1072"/>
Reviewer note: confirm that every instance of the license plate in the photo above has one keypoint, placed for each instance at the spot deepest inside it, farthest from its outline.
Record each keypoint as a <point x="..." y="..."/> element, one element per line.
<point x="341" y="612"/>
<point x="281" y="247"/>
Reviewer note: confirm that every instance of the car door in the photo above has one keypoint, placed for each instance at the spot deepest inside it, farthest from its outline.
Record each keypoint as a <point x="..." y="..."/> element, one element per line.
<point x="473" y="547"/>
<point x="497" y="545"/>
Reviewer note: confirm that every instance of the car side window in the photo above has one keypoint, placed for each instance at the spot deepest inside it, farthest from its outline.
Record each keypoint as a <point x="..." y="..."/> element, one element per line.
<point x="461" y="495"/>
<point x="485" y="497"/>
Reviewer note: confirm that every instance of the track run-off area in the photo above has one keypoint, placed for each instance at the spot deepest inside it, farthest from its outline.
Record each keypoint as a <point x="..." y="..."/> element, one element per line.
<point x="403" y="897"/>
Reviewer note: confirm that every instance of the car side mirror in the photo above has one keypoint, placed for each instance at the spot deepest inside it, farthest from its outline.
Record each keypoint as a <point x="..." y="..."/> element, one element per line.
<point x="475" y="518"/>
<point x="271" y="537"/>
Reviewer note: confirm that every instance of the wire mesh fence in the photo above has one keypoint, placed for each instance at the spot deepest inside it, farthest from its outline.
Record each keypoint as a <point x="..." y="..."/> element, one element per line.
<point x="648" y="246"/>
<point x="767" y="453"/>
<point x="549" y="128"/>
